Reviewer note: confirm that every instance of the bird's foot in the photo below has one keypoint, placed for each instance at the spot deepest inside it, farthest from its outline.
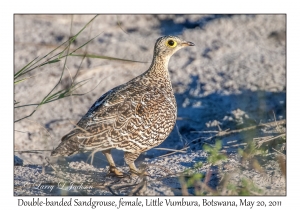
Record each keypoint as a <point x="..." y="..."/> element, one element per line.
<point x="114" y="171"/>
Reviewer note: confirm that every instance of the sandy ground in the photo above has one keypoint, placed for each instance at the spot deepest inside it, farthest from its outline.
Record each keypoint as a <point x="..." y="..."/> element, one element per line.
<point x="235" y="77"/>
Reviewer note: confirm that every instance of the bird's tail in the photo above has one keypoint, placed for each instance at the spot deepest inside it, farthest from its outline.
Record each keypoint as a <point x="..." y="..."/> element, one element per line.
<point x="69" y="145"/>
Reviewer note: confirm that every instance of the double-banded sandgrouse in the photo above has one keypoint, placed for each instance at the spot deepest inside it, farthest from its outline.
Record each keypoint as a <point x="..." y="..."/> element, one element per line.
<point x="133" y="117"/>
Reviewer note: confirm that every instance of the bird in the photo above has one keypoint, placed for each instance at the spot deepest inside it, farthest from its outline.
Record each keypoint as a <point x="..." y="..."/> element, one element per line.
<point x="133" y="117"/>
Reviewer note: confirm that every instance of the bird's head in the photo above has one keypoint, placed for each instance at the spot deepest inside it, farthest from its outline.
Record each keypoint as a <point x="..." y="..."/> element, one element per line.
<point x="166" y="46"/>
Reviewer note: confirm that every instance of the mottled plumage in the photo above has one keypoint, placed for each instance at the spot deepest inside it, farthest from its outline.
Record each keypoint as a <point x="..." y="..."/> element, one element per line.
<point x="133" y="117"/>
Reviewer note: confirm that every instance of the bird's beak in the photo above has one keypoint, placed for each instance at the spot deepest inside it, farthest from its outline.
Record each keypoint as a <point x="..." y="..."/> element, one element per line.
<point x="185" y="43"/>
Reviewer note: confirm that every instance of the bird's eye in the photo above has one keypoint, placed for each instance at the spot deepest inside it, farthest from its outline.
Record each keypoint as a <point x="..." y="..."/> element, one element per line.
<point x="171" y="43"/>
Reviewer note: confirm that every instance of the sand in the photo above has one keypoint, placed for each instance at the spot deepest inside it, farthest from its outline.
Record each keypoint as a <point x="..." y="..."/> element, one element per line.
<point x="235" y="77"/>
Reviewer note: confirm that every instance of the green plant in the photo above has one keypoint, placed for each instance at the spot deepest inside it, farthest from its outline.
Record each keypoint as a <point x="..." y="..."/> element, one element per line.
<point x="199" y="181"/>
<point x="54" y="56"/>
<point x="215" y="156"/>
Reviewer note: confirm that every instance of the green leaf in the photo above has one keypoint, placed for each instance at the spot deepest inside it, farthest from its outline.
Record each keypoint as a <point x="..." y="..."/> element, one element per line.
<point x="105" y="57"/>
<point x="20" y="72"/>
<point x="52" y="61"/>
<point x="21" y="80"/>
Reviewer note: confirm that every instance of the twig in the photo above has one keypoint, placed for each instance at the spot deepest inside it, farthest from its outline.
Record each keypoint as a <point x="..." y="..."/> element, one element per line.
<point x="138" y="188"/>
<point x="112" y="192"/>
<point x="205" y="131"/>
<point x="119" y="25"/>
<point x="180" y="136"/>
<point x="32" y="151"/>
<point x="48" y="161"/>
<point x="21" y="131"/>
<point x="205" y="186"/>
<point x="279" y="152"/>
<point x="174" y="150"/>
<point x="277" y="127"/>
<point x="183" y="184"/>
<point x="270" y="139"/>
<point x="254" y="193"/>
<point x="252" y="127"/>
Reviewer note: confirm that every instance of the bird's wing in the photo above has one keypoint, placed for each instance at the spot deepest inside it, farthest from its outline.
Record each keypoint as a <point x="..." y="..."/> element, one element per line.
<point x="104" y="110"/>
<point x="131" y="111"/>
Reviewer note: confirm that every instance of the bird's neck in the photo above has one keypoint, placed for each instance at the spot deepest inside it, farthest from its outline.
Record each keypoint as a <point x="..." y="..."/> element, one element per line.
<point x="159" y="67"/>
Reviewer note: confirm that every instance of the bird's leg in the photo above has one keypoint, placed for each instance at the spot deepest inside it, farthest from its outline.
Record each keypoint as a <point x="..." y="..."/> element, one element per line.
<point x="112" y="166"/>
<point x="129" y="159"/>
